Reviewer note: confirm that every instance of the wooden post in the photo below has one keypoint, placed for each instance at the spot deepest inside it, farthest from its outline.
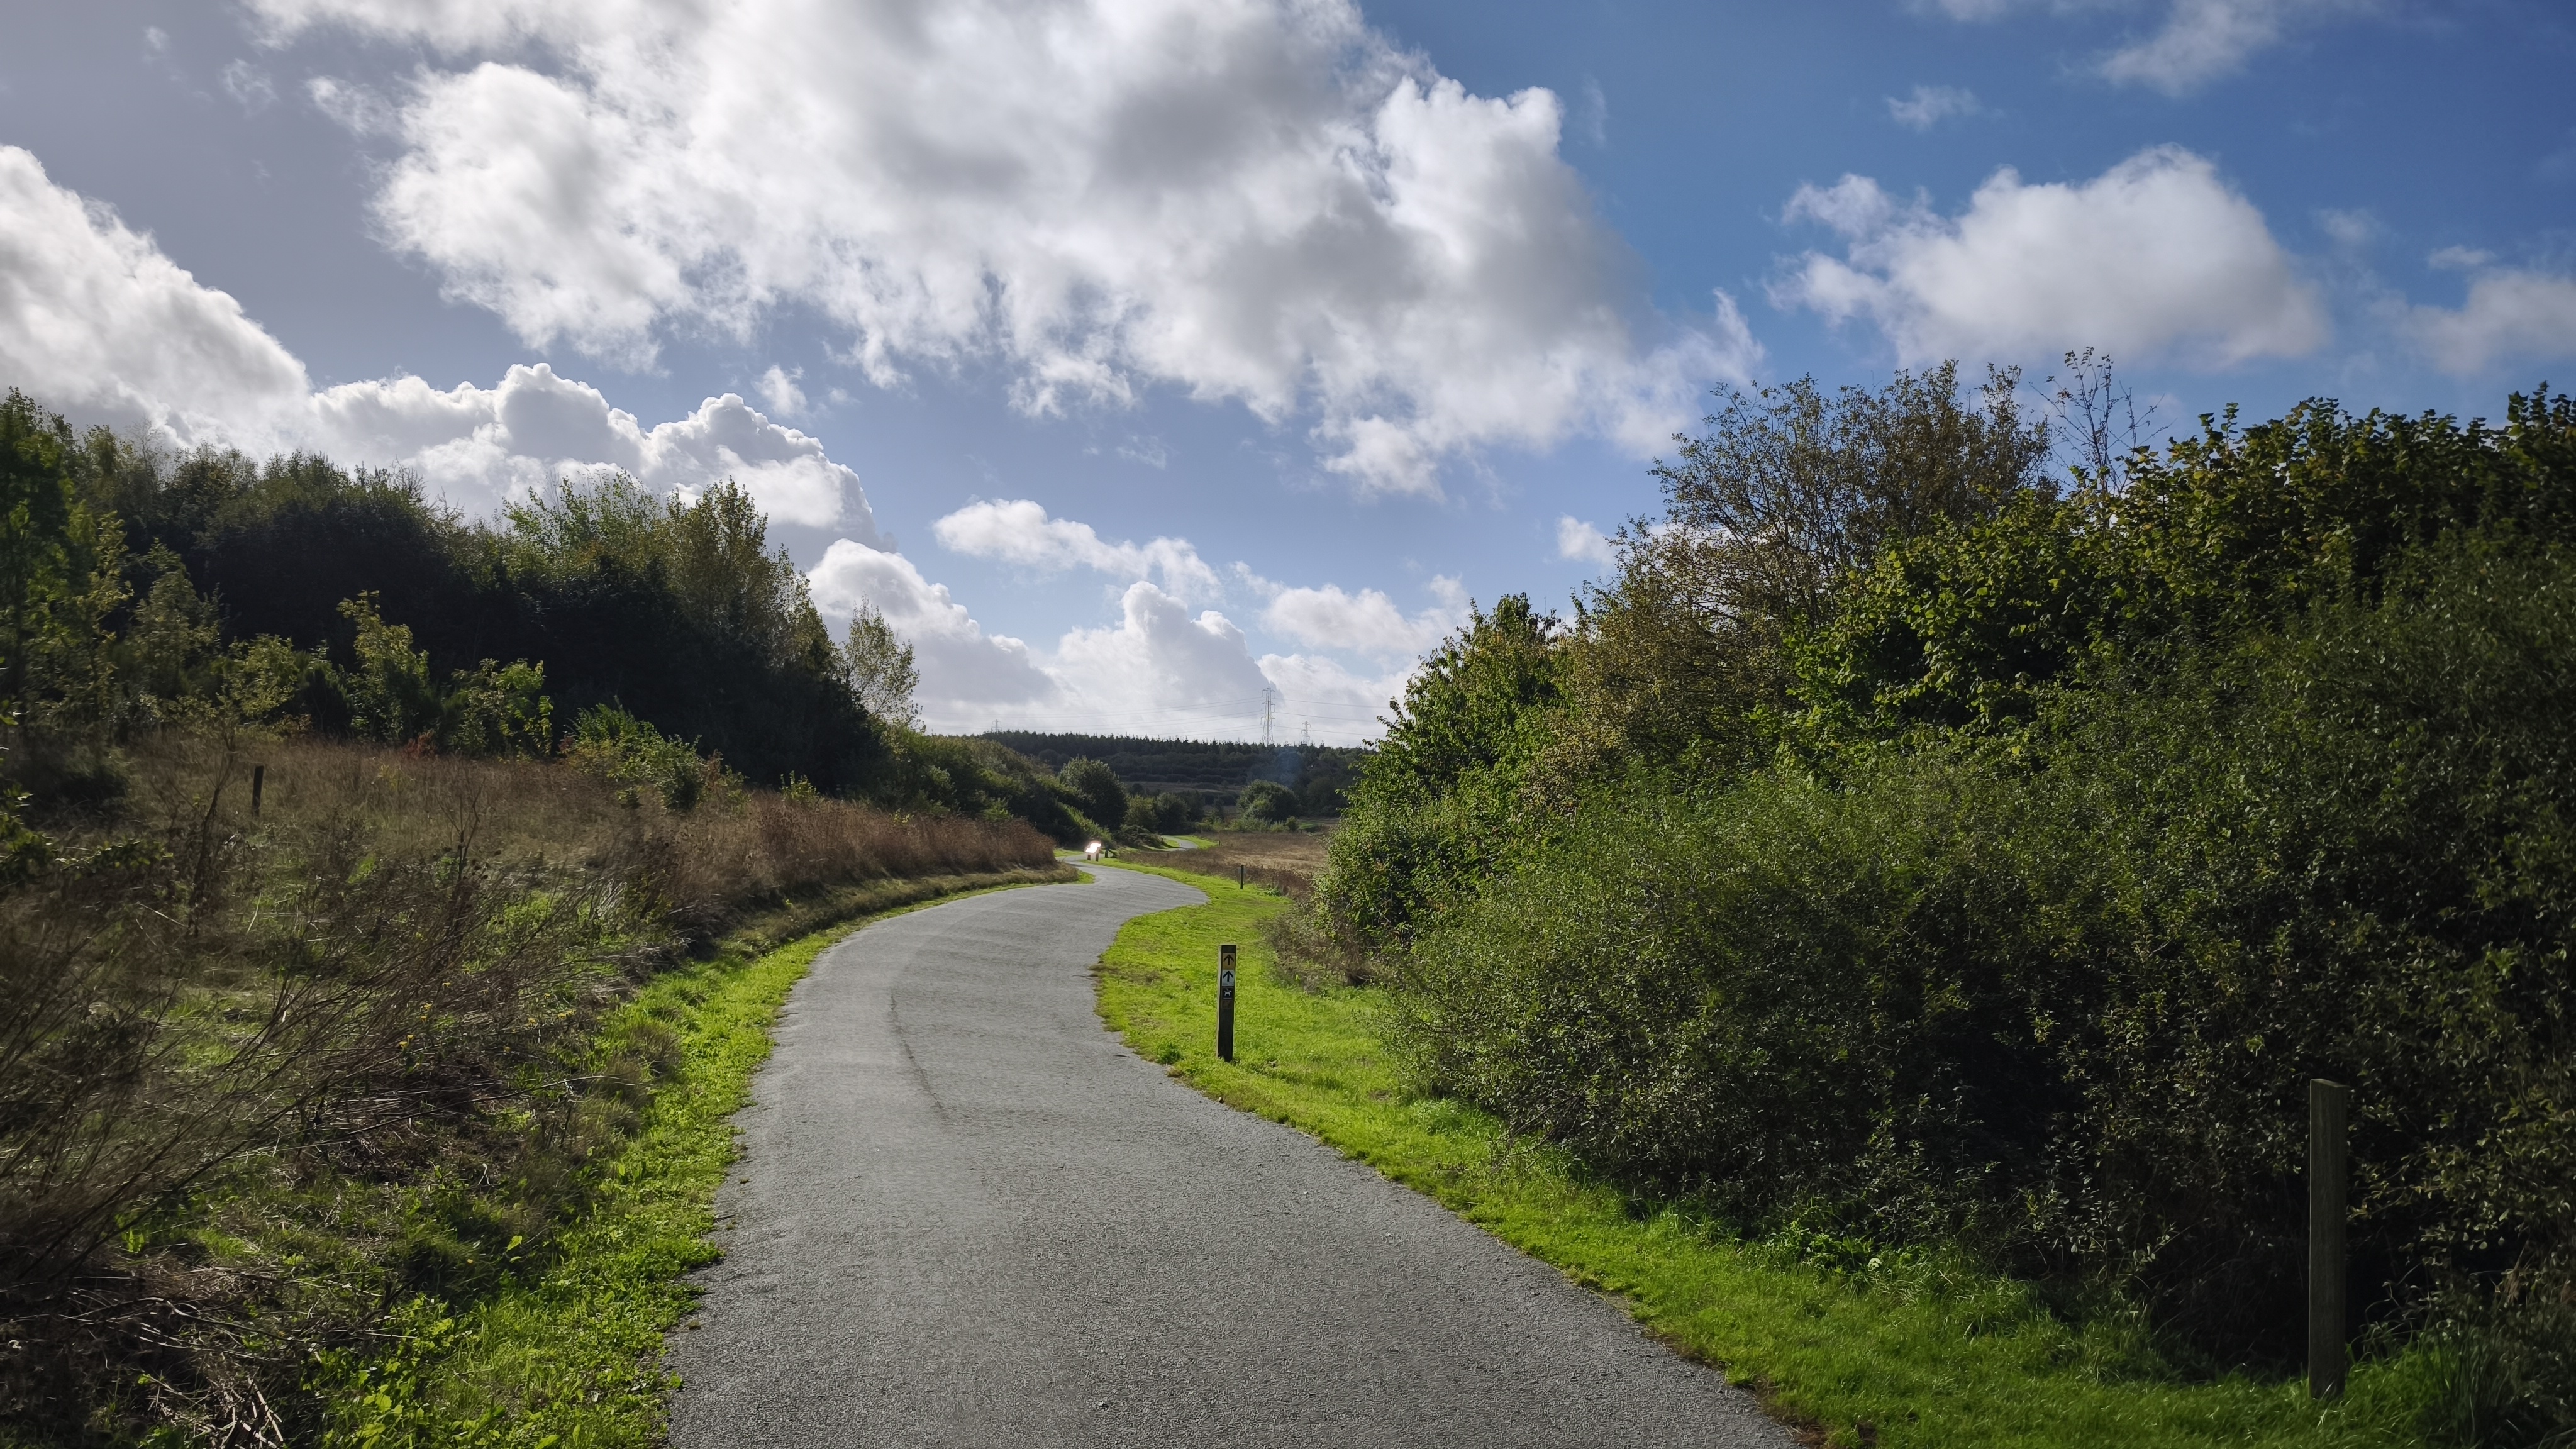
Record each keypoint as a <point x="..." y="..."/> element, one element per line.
<point x="258" y="777"/>
<point x="2329" y="1172"/>
<point x="1238" y="877"/>
<point x="1225" y="1003"/>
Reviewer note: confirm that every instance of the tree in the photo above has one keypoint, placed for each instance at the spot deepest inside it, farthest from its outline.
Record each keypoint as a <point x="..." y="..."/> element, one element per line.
<point x="1787" y="491"/>
<point x="879" y="668"/>
<point x="1267" y="802"/>
<point x="390" y="695"/>
<point x="37" y="526"/>
<point x="1096" y="790"/>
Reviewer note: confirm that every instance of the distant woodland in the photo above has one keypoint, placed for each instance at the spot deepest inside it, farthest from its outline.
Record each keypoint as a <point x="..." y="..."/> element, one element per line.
<point x="1209" y="774"/>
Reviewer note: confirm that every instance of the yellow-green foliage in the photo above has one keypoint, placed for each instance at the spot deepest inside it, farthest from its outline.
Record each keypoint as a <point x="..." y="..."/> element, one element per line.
<point x="569" y="1353"/>
<point x="1892" y="1349"/>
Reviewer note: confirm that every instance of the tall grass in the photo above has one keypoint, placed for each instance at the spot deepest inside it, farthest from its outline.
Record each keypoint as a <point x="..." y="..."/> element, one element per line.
<point x="264" y="1072"/>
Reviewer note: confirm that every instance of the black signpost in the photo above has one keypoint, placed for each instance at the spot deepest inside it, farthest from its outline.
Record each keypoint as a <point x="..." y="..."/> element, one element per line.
<point x="2329" y="1171"/>
<point x="1225" y="1003"/>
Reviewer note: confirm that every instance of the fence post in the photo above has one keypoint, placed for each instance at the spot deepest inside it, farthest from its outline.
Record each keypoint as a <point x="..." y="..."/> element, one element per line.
<point x="258" y="777"/>
<point x="2329" y="1172"/>
<point x="1225" y="1003"/>
<point x="1238" y="876"/>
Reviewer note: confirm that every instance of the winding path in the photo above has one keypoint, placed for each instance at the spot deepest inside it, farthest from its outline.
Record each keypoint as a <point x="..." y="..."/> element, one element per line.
<point x="969" y="1216"/>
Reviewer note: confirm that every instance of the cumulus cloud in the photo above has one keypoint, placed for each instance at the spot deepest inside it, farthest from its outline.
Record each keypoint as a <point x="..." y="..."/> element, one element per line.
<point x="1578" y="540"/>
<point x="1158" y="669"/>
<point x="479" y="445"/>
<point x="1929" y="106"/>
<point x="778" y="389"/>
<point x="1260" y="201"/>
<point x="969" y="679"/>
<point x="1020" y="532"/>
<point x="1159" y="652"/>
<point x="100" y="325"/>
<point x="1367" y="622"/>
<point x="2512" y="314"/>
<point x="1337" y="704"/>
<point x="97" y="321"/>
<point x="2157" y="256"/>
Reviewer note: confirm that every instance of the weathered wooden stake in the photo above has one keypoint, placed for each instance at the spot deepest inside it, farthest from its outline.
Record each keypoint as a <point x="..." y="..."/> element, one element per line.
<point x="2329" y="1171"/>
<point x="1225" y="1003"/>
<point x="258" y="777"/>
<point x="1238" y="877"/>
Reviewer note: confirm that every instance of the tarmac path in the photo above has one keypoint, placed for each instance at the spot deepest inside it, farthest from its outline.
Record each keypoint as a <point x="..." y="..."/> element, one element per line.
<point x="968" y="1215"/>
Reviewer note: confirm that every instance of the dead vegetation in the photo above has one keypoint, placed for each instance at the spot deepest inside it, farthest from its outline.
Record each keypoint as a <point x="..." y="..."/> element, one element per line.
<point x="264" y="1071"/>
<point x="1284" y="860"/>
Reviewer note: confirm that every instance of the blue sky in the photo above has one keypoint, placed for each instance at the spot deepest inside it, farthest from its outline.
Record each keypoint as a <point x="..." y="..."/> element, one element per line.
<point x="1132" y="356"/>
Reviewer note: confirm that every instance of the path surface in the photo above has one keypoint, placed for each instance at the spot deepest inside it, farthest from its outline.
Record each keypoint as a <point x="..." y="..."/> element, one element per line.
<point x="970" y="1216"/>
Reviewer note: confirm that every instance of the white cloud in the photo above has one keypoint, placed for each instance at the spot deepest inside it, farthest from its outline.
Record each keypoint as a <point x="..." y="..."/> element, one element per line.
<point x="2157" y="256"/>
<point x="479" y="445"/>
<point x="1578" y="540"/>
<point x="2351" y="229"/>
<point x="2204" y="40"/>
<point x="1019" y="531"/>
<point x="2198" y="41"/>
<point x="97" y="323"/>
<point x="2512" y="315"/>
<point x="969" y="679"/>
<point x="1931" y="105"/>
<point x="1157" y="670"/>
<point x="778" y="389"/>
<point x="1318" y="693"/>
<point x="1258" y="201"/>
<point x="353" y="108"/>
<point x="1367" y="622"/>
<point x="249" y="86"/>
<point x="1158" y="656"/>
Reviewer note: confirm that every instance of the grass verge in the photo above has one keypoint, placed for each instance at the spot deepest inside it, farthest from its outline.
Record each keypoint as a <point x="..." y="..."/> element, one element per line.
<point x="1848" y="1346"/>
<point x="567" y="1354"/>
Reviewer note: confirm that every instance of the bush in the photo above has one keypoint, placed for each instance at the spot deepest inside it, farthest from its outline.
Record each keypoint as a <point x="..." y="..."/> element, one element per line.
<point x="2063" y="999"/>
<point x="1266" y="802"/>
<point x="614" y="745"/>
<point x="1095" y="791"/>
<point x="1163" y="814"/>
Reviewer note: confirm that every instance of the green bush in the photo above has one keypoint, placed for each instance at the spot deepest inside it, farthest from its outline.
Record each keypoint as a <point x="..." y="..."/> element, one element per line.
<point x="1162" y="814"/>
<point x="1266" y="802"/>
<point x="614" y="745"/>
<point x="1095" y="791"/>
<point x="2063" y="1003"/>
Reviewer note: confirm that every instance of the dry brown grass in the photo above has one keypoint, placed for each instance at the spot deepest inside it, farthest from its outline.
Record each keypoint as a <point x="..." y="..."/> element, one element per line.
<point x="1284" y="860"/>
<point x="711" y="866"/>
<point x="371" y="995"/>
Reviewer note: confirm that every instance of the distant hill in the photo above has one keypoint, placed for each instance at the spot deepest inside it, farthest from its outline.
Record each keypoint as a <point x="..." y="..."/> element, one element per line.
<point x="1206" y="772"/>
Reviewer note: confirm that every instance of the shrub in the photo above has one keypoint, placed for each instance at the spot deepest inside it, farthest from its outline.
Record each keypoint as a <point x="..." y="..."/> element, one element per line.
<point x="1162" y="814"/>
<point x="614" y="745"/>
<point x="1095" y="791"/>
<point x="2065" y="1003"/>
<point x="1266" y="802"/>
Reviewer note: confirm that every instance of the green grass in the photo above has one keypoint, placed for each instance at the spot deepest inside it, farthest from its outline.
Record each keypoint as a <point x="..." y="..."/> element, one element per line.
<point x="568" y="1356"/>
<point x="1896" y="1349"/>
